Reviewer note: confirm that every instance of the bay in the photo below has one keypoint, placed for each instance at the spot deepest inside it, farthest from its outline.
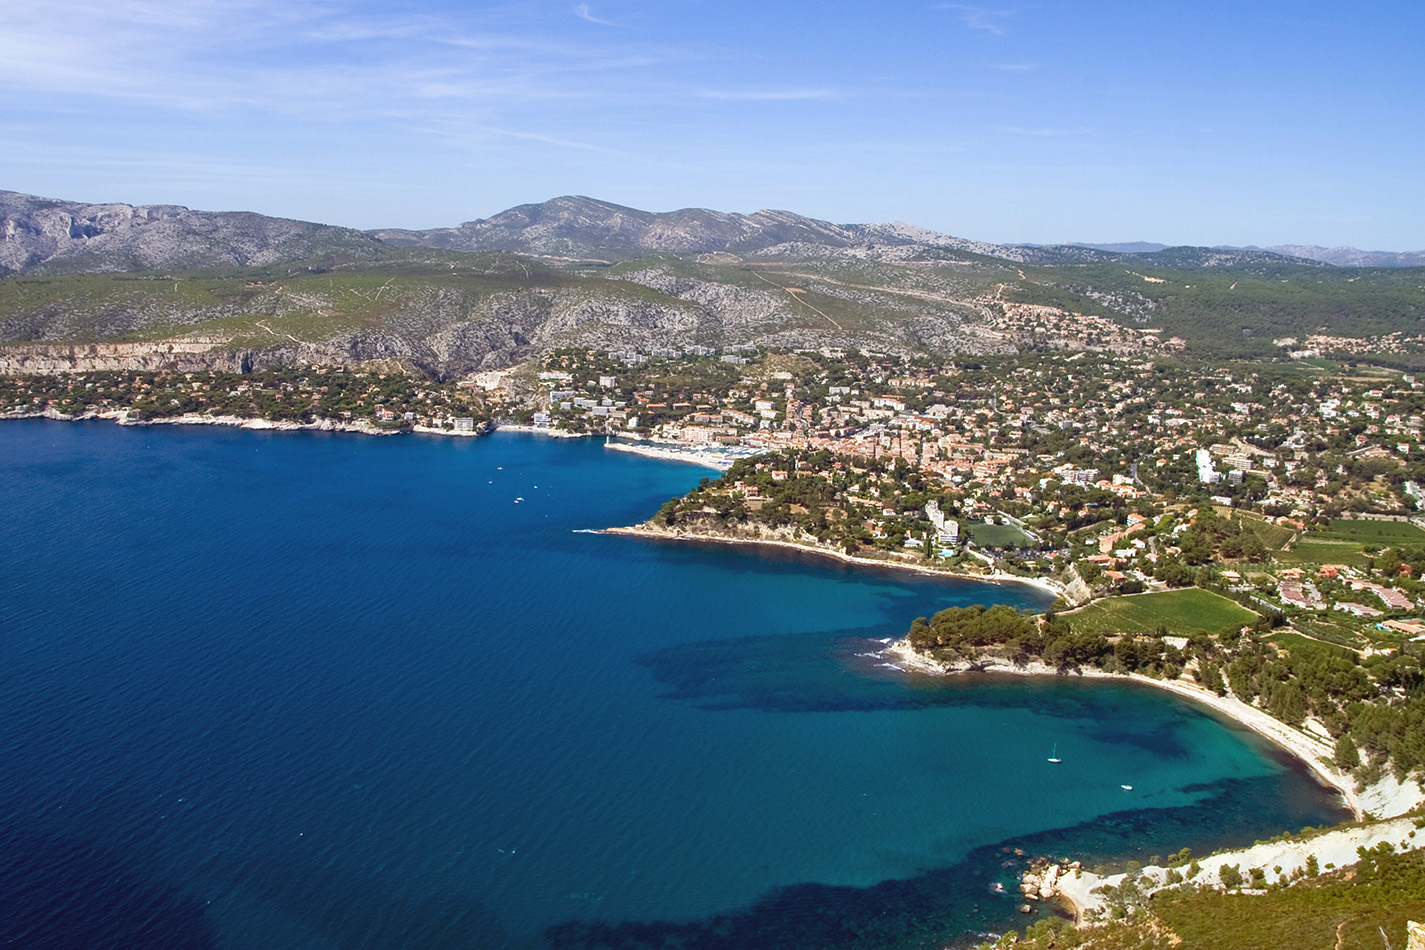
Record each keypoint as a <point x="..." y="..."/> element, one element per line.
<point x="303" y="690"/>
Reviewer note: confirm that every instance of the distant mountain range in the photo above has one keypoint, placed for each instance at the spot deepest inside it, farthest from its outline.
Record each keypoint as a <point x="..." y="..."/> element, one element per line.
<point x="575" y="271"/>
<point x="575" y="227"/>
<point x="1337" y="256"/>
<point x="48" y="235"/>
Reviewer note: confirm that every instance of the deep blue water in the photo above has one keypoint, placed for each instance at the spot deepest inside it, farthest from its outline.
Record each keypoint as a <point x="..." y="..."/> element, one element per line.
<point x="320" y="691"/>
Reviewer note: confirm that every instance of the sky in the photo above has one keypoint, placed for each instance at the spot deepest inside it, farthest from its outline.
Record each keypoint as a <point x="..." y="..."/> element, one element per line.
<point x="1210" y="122"/>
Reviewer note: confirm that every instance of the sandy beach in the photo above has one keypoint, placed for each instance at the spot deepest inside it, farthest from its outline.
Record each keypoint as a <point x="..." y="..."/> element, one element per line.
<point x="544" y="430"/>
<point x="1385" y="799"/>
<point x="645" y="531"/>
<point x="719" y="461"/>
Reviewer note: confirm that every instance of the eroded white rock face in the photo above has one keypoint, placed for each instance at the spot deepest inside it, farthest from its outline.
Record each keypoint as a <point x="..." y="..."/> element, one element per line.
<point x="1333" y="849"/>
<point x="43" y="233"/>
<point x="186" y="355"/>
<point x="1388" y="797"/>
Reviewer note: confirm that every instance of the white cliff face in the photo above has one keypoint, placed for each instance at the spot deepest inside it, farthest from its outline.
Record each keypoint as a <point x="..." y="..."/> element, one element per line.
<point x="40" y="233"/>
<point x="188" y="354"/>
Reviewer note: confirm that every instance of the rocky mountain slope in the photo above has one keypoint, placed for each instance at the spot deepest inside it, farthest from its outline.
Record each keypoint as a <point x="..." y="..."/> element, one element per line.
<point x="579" y="228"/>
<point x="89" y="285"/>
<point x="442" y="313"/>
<point x="48" y="236"/>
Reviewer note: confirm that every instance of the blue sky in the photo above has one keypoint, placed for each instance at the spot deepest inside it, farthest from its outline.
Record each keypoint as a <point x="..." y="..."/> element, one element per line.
<point x="1200" y="123"/>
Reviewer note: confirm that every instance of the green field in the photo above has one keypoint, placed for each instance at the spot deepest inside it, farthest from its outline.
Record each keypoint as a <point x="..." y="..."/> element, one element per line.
<point x="1191" y="610"/>
<point x="1315" y="550"/>
<point x="1344" y="541"/>
<point x="998" y="536"/>
<point x="1378" y="533"/>
<point x="1288" y="639"/>
<point x="1272" y="536"/>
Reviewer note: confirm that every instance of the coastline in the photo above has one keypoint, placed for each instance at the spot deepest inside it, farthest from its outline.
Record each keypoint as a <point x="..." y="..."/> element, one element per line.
<point x="540" y="430"/>
<point x="1281" y="858"/>
<point x="645" y="531"/>
<point x="120" y="417"/>
<point x="720" y="462"/>
<point x="1386" y="799"/>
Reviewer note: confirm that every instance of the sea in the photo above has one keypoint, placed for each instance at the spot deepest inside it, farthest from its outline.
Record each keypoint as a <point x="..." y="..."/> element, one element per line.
<point x="310" y="691"/>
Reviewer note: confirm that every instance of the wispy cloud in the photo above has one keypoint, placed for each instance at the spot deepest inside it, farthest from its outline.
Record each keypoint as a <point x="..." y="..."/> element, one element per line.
<point x="326" y="56"/>
<point x="979" y="18"/>
<point x="554" y="140"/>
<point x="1015" y="67"/>
<point x="765" y="95"/>
<point x="583" y="12"/>
<point x="1038" y="133"/>
<point x="163" y="167"/>
<point x="902" y="147"/>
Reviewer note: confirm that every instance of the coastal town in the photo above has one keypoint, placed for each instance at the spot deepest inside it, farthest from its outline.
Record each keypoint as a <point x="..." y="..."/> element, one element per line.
<point x="1247" y="534"/>
<point x="1292" y="487"/>
<point x="372" y="399"/>
<point x="1292" y="484"/>
<point x="708" y="476"/>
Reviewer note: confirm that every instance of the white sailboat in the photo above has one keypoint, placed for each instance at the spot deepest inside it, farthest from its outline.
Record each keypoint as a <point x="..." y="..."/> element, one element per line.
<point x="1054" y="756"/>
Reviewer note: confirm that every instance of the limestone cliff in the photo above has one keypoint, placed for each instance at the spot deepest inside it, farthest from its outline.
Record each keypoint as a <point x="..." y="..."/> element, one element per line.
<point x="48" y="235"/>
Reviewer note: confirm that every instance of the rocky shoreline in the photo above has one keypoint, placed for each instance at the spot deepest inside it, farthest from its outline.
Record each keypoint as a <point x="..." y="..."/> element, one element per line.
<point x="1041" y="883"/>
<point x="1282" y="859"/>
<point x="771" y="539"/>
<point x="121" y="417"/>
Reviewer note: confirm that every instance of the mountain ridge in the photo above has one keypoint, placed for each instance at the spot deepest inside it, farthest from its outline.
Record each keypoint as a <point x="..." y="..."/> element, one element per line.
<point x="579" y="272"/>
<point x="47" y="235"/>
<point x="1340" y="256"/>
<point x="579" y="227"/>
<point x="39" y="234"/>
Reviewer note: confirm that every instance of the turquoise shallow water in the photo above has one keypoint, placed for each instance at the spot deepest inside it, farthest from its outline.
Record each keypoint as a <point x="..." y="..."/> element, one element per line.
<point x="315" y="691"/>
